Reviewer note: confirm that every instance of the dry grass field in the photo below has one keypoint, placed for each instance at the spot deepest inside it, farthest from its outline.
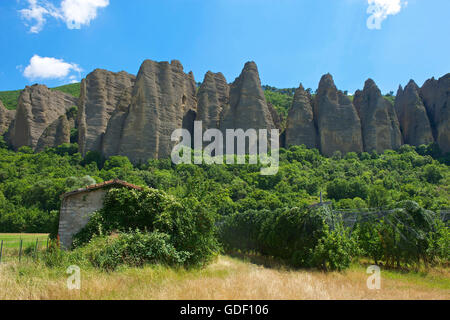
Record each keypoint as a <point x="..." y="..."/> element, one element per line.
<point x="226" y="279"/>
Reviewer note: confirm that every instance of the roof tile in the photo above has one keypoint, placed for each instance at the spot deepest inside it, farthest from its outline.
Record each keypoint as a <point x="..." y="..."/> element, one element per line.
<point x="102" y="185"/>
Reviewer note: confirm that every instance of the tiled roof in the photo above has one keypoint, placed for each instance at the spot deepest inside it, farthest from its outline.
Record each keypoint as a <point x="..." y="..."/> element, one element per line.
<point x="102" y="185"/>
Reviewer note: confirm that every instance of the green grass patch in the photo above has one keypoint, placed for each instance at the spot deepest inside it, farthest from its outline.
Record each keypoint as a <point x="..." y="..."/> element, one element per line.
<point x="434" y="278"/>
<point x="9" y="99"/>
<point x="72" y="89"/>
<point x="12" y="241"/>
<point x="390" y="98"/>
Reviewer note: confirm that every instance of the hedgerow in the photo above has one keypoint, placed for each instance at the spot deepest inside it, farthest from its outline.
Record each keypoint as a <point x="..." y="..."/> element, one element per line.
<point x="406" y="236"/>
<point x="301" y="237"/>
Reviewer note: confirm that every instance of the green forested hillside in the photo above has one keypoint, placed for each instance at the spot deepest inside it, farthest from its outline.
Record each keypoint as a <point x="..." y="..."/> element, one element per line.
<point x="30" y="184"/>
<point x="72" y="89"/>
<point x="282" y="99"/>
<point x="281" y="102"/>
<point x="9" y="98"/>
<point x="234" y="206"/>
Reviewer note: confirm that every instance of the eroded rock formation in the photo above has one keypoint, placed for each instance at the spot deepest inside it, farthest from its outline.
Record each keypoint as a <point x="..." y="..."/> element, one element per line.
<point x="6" y="117"/>
<point x="38" y="108"/>
<point x="276" y="118"/>
<point x="113" y="133"/>
<point x="300" y="127"/>
<point x="338" y="123"/>
<point x="100" y="93"/>
<point x="119" y="114"/>
<point x="412" y="115"/>
<point x="213" y="97"/>
<point x="162" y="96"/>
<point x="248" y="108"/>
<point x="55" y="135"/>
<point x="379" y="123"/>
<point x="436" y="98"/>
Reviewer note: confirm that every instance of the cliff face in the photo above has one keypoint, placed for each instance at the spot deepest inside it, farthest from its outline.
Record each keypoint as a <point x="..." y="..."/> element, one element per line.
<point x="380" y="126"/>
<point x="37" y="109"/>
<point x="436" y="98"/>
<point x="113" y="133"/>
<point x="240" y="105"/>
<point x="337" y="121"/>
<point x="120" y="114"/>
<point x="55" y="135"/>
<point x="411" y="112"/>
<point x="162" y="96"/>
<point x="276" y="118"/>
<point x="300" y="127"/>
<point x="213" y="97"/>
<point x="248" y="108"/>
<point x="6" y="117"/>
<point x="100" y="94"/>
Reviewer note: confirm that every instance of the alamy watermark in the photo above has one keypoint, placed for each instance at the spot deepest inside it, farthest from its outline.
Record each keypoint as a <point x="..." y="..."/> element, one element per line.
<point x="74" y="279"/>
<point x="374" y="281"/>
<point x="234" y="149"/>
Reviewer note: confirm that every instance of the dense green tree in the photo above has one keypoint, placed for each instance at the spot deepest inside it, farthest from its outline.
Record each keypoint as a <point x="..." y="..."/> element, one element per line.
<point x="34" y="182"/>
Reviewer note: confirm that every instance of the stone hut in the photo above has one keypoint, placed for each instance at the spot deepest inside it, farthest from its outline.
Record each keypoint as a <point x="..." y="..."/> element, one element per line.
<point x="78" y="205"/>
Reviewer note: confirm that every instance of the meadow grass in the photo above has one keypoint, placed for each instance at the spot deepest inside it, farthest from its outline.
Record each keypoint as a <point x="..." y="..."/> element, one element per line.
<point x="228" y="278"/>
<point x="12" y="240"/>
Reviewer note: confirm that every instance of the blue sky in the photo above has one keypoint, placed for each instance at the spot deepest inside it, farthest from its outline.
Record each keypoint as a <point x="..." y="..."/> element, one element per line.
<point x="292" y="41"/>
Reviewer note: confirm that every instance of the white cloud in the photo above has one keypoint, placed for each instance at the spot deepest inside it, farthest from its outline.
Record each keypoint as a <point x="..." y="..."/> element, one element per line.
<point x="80" y="12"/>
<point x="51" y="68"/>
<point x="38" y="11"/>
<point x="379" y="10"/>
<point x="75" y="13"/>
<point x="74" y="79"/>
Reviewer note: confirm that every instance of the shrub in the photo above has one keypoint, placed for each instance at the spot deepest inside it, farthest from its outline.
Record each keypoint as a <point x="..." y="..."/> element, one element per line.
<point x="93" y="157"/>
<point x="54" y="257"/>
<point x="378" y="197"/>
<point x="342" y="189"/>
<point x="335" y="250"/>
<point x="189" y="226"/>
<point x="118" y="162"/>
<point x="438" y="249"/>
<point x="133" y="249"/>
<point x="432" y="174"/>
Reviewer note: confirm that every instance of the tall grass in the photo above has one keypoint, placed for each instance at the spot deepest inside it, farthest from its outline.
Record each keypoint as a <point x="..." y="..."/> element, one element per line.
<point x="227" y="278"/>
